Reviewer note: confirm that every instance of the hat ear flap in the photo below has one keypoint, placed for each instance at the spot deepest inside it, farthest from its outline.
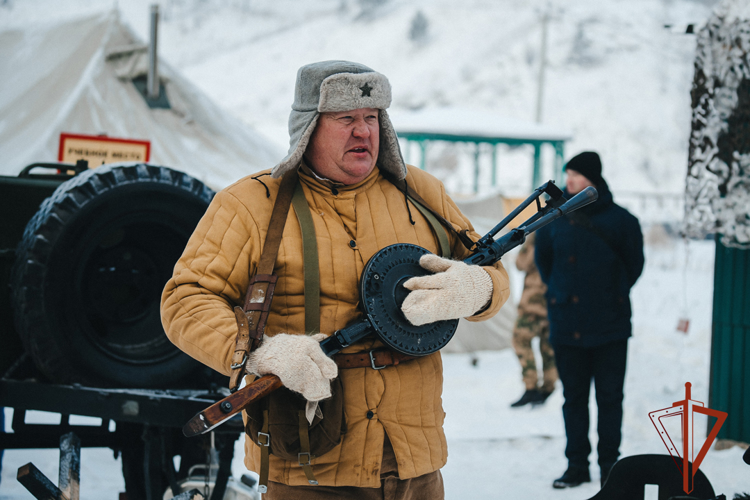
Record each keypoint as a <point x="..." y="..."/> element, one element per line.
<point x="389" y="156"/>
<point x="300" y="137"/>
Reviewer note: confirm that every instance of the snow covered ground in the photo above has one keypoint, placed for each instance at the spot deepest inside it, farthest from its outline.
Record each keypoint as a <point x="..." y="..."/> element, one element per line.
<point x="499" y="452"/>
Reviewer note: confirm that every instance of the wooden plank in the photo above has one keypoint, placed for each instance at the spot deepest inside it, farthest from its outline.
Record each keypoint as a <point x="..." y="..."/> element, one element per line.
<point x="730" y="343"/>
<point x="718" y="259"/>
<point x="37" y="483"/>
<point x="739" y="288"/>
<point x="714" y="392"/>
<point x="719" y="273"/>
<point x="722" y="384"/>
<point x="745" y="390"/>
<point x="734" y="420"/>
<point x="70" y="465"/>
<point x="726" y="285"/>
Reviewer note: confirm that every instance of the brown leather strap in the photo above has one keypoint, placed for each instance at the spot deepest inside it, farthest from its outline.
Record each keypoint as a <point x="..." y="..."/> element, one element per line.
<point x="304" y="457"/>
<point x="276" y="225"/>
<point x="264" y="441"/>
<point x="376" y="359"/>
<point x="261" y="286"/>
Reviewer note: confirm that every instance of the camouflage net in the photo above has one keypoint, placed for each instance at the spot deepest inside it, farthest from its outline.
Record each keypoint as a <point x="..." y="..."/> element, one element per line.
<point x="718" y="180"/>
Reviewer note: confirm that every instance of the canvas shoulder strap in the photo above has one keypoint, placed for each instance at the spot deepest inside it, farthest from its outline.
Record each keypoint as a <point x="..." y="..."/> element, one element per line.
<point x="424" y="207"/>
<point x="442" y="235"/>
<point x="310" y="261"/>
<point x="251" y="319"/>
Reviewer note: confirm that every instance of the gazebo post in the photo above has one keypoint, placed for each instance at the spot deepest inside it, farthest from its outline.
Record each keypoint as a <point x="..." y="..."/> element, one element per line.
<point x="512" y="140"/>
<point x="476" y="167"/>
<point x="537" y="165"/>
<point x="559" y="150"/>
<point x="494" y="164"/>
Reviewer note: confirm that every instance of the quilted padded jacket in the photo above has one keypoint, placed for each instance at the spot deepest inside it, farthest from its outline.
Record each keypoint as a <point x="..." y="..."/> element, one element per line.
<point x="351" y="224"/>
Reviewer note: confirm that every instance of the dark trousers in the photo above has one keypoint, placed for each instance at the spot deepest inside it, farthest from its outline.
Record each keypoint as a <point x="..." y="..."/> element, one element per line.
<point x="577" y="367"/>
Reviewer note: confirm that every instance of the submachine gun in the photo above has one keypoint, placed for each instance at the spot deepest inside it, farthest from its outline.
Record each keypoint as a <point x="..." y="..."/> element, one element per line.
<point x="382" y="293"/>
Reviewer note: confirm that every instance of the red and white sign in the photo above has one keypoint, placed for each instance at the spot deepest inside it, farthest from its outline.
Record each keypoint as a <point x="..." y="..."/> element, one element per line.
<point x="100" y="149"/>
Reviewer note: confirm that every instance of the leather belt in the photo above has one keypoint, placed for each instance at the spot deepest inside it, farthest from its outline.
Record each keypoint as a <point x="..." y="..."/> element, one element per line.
<point x="375" y="359"/>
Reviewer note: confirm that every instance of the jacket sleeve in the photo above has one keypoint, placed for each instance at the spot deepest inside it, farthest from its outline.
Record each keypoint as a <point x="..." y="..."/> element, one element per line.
<point x="209" y="279"/>
<point x="634" y="251"/>
<point x="544" y="254"/>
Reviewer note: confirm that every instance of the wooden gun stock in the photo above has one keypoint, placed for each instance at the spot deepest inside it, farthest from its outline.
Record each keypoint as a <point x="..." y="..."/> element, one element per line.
<point x="219" y="412"/>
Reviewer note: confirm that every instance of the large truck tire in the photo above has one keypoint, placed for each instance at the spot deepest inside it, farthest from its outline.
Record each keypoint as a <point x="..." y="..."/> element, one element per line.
<point x="90" y="270"/>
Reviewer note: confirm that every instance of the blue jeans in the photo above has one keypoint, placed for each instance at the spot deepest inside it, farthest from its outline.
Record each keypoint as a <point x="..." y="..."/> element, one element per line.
<point x="577" y="367"/>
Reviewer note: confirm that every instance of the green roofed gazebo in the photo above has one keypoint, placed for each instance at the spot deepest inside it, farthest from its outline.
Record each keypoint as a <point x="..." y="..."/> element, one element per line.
<point x="459" y="125"/>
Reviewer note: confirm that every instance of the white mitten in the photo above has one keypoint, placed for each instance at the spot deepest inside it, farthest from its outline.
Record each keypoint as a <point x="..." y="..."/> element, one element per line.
<point x="298" y="361"/>
<point x="457" y="290"/>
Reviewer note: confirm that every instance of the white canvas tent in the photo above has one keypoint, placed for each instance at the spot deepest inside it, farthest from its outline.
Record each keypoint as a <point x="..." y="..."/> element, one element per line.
<point x="76" y="77"/>
<point x="497" y="332"/>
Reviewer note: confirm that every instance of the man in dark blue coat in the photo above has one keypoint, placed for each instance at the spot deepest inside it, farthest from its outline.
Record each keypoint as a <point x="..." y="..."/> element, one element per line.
<point x="589" y="260"/>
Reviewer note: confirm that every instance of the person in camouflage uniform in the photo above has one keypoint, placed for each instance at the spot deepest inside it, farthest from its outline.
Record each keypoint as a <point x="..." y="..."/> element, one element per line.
<point x="532" y="322"/>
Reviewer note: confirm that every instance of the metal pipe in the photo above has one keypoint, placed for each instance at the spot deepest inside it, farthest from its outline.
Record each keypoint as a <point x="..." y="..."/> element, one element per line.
<point x="152" y="82"/>
<point x="542" y="64"/>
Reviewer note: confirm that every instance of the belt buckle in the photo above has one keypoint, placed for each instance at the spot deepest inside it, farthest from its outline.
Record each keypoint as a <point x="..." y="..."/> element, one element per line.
<point x="308" y="458"/>
<point x="372" y="362"/>
<point x="268" y="439"/>
<point x="240" y="364"/>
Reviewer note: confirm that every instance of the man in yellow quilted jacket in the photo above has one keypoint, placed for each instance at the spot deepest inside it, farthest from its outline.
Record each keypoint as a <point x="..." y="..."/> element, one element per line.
<point x="342" y="142"/>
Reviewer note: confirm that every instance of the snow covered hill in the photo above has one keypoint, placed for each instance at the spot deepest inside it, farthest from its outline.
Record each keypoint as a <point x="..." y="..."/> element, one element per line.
<point x="615" y="76"/>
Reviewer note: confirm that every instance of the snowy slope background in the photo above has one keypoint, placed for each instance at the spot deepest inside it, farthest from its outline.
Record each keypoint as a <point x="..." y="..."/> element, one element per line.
<point x="616" y="78"/>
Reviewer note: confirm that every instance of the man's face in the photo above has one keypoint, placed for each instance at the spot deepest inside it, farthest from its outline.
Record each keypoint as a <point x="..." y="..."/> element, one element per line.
<point x="344" y="146"/>
<point x="576" y="182"/>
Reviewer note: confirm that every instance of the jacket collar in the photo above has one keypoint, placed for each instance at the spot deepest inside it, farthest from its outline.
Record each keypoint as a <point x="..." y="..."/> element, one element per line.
<point x="328" y="187"/>
<point x="603" y="201"/>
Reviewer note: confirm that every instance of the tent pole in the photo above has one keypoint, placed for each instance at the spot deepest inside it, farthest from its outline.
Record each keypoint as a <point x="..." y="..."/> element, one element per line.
<point x="152" y="83"/>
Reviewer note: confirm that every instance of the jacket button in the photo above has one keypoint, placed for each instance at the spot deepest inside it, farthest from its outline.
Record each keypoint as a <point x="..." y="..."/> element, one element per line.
<point x="553" y="300"/>
<point x="370" y="414"/>
<point x="572" y="259"/>
<point x="334" y="191"/>
<point x="352" y="243"/>
<point x="574" y="299"/>
<point x="576" y="335"/>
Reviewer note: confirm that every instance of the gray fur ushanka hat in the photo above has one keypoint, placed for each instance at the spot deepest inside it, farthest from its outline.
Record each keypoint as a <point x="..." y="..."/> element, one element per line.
<point x="333" y="86"/>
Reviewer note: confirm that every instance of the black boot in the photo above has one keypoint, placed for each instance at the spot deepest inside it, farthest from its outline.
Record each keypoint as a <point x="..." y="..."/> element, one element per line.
<point x="572" y="477"/>
<point x="529" y="396"/>
<point x="541" y="397"/>
<point x="605" y="470"/>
